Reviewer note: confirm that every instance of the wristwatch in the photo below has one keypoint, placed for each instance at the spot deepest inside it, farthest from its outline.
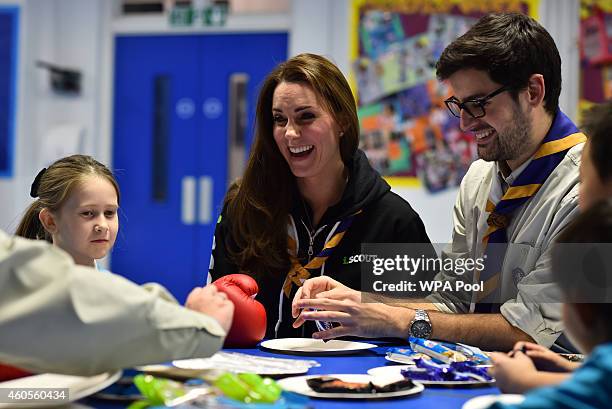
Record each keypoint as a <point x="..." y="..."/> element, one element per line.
<point x="420" y="326"/>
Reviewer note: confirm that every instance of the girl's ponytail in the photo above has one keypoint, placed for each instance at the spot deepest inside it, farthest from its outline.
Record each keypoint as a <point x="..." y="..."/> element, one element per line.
<point x="30" y="226"/>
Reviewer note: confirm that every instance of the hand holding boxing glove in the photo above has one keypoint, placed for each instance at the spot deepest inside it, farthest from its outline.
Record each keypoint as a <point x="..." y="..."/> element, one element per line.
<point x="249" y="325"/>
<point x="212" y="302"/>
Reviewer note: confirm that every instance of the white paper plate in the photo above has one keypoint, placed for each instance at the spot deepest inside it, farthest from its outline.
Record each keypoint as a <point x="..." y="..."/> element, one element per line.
<point x="239" y="362"/>
<point x="298" y="384"/>
<point x="79" y="386"/>
<point x="484" y="401"/>
<point x="315" y="346"/>
<point x="392" y="370"/>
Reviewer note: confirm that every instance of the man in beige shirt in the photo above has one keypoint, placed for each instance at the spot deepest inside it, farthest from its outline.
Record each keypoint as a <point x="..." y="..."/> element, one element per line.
<point x="58" y="317"/>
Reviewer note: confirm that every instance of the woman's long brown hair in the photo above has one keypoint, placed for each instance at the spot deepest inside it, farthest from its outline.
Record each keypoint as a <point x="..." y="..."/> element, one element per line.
<point x="258" y="206"/>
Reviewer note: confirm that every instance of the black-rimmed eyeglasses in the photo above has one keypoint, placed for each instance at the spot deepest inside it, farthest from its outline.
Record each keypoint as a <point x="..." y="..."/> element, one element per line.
<point x="475" y="107"/>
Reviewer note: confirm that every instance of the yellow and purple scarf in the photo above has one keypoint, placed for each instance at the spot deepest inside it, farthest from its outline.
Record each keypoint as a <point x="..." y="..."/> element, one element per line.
<point x="562" y="136"/>
<point x="298" y="273"/>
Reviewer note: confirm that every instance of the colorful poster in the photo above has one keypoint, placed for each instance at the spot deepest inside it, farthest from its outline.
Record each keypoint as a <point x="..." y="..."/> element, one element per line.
<point x="595" y="52"/>
<point x="406" y="130"/>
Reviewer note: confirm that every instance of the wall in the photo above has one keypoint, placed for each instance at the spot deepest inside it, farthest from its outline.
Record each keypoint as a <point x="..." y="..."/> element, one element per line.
<point x="322" y="26"/>
<point x="67" y="33"/>
<point x="78" y="33"/>
<point x="561" y="19"/>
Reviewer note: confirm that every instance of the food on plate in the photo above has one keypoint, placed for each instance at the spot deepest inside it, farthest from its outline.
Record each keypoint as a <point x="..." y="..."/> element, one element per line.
<point x="330" y="384"/>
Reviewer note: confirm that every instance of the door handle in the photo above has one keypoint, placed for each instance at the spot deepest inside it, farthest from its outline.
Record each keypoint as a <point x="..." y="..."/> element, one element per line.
<point x="188" y="198"/>
<point x="205" y="213"/>
<point x="237" y="126"/>
<point x="161" y="137"/>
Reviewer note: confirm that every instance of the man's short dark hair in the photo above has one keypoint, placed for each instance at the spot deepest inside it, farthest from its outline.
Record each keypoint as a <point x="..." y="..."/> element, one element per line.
<point x="597" y="125"/>
<point x="510" y="47"/>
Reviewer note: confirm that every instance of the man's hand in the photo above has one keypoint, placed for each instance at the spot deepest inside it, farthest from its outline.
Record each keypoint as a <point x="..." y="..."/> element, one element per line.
<point x="210" y="301"/>
<point x="513" y="374"/>
<point x="355" y="318"/>
<point x="544" y="359"/>
<point x="321" y="287"/>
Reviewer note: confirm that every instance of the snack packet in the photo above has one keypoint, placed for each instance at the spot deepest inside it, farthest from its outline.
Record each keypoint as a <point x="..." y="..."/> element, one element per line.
<point x="472" y="353"/>
<point x="405" y="355"/>
<point x="453" y="372"/>
<point x="436" y="350"/>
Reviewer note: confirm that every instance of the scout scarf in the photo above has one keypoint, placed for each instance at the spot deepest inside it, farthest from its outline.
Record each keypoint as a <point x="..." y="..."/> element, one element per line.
<point x="562" y="136"/>
<point x="298" y="273"/>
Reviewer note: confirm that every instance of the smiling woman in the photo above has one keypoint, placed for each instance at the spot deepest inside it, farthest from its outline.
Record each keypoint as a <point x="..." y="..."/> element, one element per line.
<point x="308" y="137"/>
<point x="309" y="197"/>
<point x="75" y="209"/>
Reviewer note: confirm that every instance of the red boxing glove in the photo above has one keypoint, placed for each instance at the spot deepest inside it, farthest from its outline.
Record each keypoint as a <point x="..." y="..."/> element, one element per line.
<point x="249" y="324"/>
<point x="8" y="372"/>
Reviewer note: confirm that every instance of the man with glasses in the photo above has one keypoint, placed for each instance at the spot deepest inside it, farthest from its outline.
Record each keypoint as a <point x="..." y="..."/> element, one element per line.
<point x="505" y="73"/>
<point x="474" y="107"/>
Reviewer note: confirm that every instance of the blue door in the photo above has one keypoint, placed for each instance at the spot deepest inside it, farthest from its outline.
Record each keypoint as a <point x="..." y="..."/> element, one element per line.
<point x="254" y="55"/>
<point x="170" y="150"/>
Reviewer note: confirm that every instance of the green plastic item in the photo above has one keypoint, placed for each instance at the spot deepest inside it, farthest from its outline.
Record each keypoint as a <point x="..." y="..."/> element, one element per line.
<point x="265" y="387"/>
<point x="158" y="391"/>
<point x="232" y="387"/>
<point x="272" y="385"/>
<point x="248" y="388"/>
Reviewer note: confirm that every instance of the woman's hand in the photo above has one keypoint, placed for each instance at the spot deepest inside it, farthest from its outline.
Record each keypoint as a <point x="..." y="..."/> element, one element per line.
<point x="321" y="287"/>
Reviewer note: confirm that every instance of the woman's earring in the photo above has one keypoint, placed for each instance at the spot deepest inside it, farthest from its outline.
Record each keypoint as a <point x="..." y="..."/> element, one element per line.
<point x="341" y="133"/>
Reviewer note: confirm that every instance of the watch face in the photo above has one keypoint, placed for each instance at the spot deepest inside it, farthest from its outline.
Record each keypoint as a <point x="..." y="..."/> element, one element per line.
<point x="421" y="329"/>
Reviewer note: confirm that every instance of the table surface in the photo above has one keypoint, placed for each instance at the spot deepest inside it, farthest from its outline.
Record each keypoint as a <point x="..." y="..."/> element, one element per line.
<point x="359" y="363"/>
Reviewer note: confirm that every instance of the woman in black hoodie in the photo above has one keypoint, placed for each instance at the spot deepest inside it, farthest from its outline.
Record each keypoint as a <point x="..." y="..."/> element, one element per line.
<point x="308" y="198"/>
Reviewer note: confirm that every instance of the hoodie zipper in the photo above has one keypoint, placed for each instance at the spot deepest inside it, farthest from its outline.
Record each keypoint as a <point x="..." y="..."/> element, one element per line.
<point x="311" y="237"/>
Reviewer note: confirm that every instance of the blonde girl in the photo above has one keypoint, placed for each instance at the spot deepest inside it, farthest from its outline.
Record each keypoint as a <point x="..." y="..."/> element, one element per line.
<point x="76" y="205"/>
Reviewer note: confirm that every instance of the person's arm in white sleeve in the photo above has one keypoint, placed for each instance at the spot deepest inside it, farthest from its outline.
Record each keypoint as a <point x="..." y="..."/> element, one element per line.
<point x="58" y="317"/>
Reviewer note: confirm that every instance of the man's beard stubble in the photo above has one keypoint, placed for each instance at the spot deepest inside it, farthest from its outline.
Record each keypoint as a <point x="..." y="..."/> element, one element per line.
<point x="511" y="142"/>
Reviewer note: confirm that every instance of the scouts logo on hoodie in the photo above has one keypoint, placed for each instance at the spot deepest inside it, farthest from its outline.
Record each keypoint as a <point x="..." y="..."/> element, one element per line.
<point x="359" y="258"/>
